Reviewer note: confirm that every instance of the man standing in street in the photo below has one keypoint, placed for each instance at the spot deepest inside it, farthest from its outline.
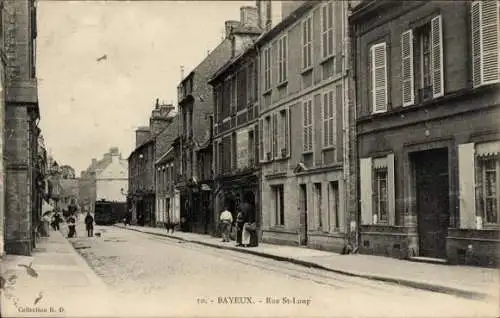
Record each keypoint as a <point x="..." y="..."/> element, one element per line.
<point x="226" y="219"/>
<point x="89" y="224"/>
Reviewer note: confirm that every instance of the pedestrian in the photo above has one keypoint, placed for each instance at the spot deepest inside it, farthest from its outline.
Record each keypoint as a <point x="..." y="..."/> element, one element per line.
<point x="226" y="219"/>
<point x="240" y="221"/>
<point x="57" y="221"/>
<point x="89" y="224"/>
<point x="71" y="226"/>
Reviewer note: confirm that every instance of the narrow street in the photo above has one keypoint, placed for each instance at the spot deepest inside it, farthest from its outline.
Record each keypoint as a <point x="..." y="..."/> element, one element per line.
<point x="170" y="277"/>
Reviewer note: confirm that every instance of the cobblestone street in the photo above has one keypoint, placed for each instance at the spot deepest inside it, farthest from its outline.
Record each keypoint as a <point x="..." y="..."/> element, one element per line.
<point x="171" y="277"/>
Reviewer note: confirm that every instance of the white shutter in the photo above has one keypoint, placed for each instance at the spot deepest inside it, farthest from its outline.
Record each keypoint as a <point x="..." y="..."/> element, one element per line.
<point x="288" y="133"/>
<point x="466" y="185"/>
<point x="305" y="136"/>
<point x="407" y="89"/>
<point x="391" y="189"/>
<point x="310" y="128"/>
<point x="366" y="190"/>
<point x="325" y="119"/>
<point x="490" y="41"/>
<point x="379" y="77"/>
<point x="276" y="136"/>
<point x="476" y="42"/>
<point x="331" y="121"/>
<point x="437" y="57"/>
<point x="261" y="140"/>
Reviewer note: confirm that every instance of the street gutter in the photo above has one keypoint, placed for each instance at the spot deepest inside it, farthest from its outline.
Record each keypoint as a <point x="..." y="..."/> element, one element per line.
<point x="403" y="282"/>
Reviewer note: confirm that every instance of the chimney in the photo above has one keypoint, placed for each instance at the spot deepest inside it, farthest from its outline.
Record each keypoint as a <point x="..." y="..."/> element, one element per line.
<point x="249" y="17"/>
<point x="157" y="103"/>
<point x="141" y="135"/>
<point x="94" y="163"/>
<point x="230" y="25"/>
<point x="182" y="72"/>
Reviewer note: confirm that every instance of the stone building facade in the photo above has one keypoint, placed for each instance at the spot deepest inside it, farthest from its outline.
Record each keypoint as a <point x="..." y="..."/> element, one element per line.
<point x="427" y="79"/>
<point x="195" y="97"/>
<point x="304" y="139"/>
<point x="236" y="133"/>
<point x="20" y="126"/>
<point x="141" y="165"/>
<point x="166" y="212"/>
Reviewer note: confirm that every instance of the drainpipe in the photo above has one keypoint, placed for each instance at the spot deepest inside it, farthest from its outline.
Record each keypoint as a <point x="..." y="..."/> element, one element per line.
<point x="353" y="218"/>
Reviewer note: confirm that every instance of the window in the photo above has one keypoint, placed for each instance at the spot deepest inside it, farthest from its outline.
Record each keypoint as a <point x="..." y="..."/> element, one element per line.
<point x="284" y="133"/>
<point x="279" y="204"/>
<point x="251" y="148"/>
<point x="282" y="59"/>
<point x="242" y="88"/>
<point x="380" y="195"/>
<point x="378" y="77"/>
<point x="333" y="205"/>
<point x="328" y="119"/>
<point x="485" y="42"/>
<point x="267" y="69"/>
<point x="267" y="138"/>
<point x="307" y="138"/>
<point x="234" y="97"/>
<point x="220" y="156"/>
<point x="429" y="62"/>
<point x="275" y="136"/>
<point x="488" y="189"/>
<point x="327" y="30"/>
<point x="307" y="49"/>
<point x="318" y="199"/>
<point x="251" y="82"/>
<point x="261" y="141"/>
<point x="234" y="153"/>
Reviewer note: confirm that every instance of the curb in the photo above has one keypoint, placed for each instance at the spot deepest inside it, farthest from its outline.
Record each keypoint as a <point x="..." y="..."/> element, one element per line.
<point x="403" y="282"/>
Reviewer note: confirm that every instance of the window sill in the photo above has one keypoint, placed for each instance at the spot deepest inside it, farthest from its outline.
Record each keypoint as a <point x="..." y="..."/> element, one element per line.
<point x="310" y="152"/>
<point x="267" y="92"/>
<point x="326" y="59"/>
<point x="282" y="84"/>
<point x="326" y="148"/>
<point x="306" y="70"/>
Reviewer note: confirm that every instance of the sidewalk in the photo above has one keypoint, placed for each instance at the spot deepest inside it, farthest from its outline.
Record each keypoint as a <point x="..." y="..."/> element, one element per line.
<point x="464" y="281"/>
<point x="67" y="285"/>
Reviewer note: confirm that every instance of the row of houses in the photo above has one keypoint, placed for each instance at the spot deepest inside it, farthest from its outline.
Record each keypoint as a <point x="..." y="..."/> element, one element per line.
<point x="23" y="158"/>
<point x="369" y="124"/>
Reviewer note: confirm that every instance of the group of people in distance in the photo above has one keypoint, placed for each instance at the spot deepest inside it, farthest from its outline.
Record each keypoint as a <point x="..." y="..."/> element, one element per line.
<point x="57" y="219"/>
<point x="246" y="231"/>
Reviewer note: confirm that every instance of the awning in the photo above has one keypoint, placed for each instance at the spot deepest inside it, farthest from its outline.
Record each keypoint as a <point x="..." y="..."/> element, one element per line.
<point x="488" y="149"/>
<point x="380" y="163"/>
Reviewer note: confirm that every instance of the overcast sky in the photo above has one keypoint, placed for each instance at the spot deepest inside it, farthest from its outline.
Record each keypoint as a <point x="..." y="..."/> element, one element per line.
<point x="88" y="106"/>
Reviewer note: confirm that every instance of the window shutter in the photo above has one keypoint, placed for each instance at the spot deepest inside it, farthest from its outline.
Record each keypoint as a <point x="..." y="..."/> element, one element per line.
<point x="304" y="42"/>
<point x="407" y="88"/>
<point x="310" y="117"/>
<point x="276" y="136"/>
<point x="466" y="185"/>
<point x="325" y="119"/>
<point x="476" y="42"/>
<point x="391" y="189"/>
<point x="437" y="57"/>
<point x="490" y="41"/>
<point x="305" y="136"/>
<point x="324" y="35"/>
<point x="261" y="140"/>
<point x="379" y="77"/>
<point x="331" y="114"/>
<point x="366" y="190"/>
<point x="288" y="124"/>
<point x="285" y="57"/>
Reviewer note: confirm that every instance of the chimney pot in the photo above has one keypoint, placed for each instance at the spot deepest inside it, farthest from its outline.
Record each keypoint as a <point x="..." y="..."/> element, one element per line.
<point x="249" y="16"/>
<point x="230" y="26"/>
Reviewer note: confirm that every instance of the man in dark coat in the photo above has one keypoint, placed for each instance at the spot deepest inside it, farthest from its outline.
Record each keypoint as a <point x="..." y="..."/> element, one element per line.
<point x="89" y="225"/>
